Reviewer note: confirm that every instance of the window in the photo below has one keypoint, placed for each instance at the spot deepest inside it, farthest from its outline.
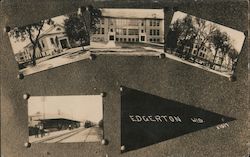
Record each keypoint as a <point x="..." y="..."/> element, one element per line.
<point x="125" y="39"/>
<point x="151" y="32"/>
<point x="39" y="45"/>
<point x="194" y="52"/>
<point x="142" y="31"/>
<point x="137" y="39"/>
<point x="52" y="41"/>
<point x="158" y="23"/>
<point x="133" y="32"/>
<point x="133" y="22"/>
<point x="111" y="30"/>
<point x="142" y="38"/>
<point x="129" y="39"/>
<point x="42" y="44"/>
<point x="154" y="32"/>
<point x="142" y="24"/>
<point x="154" y="23"/>
<point x="150" y="23"/>
<point x="111" y="37"/>
<point x="158" y="40"/>
<point x="133" y="39"/>
<point x="116" y="39"/>
<point x="150" y="40"/>
<point x="120" y="39"/>
<point x="118" y="31"/>
<point x="124" y="31"/>
<point x="102" y="30"/>
<point x="158" y="32"/>
<point x="58" y="29"/>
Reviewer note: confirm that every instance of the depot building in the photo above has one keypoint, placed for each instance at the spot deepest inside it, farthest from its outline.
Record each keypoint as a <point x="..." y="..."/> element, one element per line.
<point x="130" y="25"/>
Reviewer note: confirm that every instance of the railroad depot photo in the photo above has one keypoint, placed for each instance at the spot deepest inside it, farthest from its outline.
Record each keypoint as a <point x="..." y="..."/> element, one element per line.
<point x="65" y="119"/>
<point x="128" y="32"/>
<point x="203" y="44"/>
<point x="52" y="42"/>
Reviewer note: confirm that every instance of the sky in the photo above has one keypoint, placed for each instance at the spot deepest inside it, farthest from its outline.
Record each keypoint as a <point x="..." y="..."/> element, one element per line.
<point x="83" y="107"/>
<point x="236" y="36"/>
<point x="19" y="45"/>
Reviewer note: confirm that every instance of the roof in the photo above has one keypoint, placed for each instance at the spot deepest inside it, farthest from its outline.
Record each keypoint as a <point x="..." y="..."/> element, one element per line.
<point x="133" y="13"/>
<point x="49" y="31"/>
<point x="52" y="117"/>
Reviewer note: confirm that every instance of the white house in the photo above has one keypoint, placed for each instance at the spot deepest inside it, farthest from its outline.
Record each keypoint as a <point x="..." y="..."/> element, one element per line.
<point x="52" y="41"/>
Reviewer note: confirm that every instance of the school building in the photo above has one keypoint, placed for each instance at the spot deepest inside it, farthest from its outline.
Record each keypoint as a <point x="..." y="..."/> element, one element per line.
<point x="130" y="25"/>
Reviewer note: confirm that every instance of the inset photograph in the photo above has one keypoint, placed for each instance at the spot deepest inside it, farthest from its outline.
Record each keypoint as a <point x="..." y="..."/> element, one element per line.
<point x="203" y="44"/>
<point x="134" y="32"/>
<point x="53" y="42"/>
<point x="65" y="119"/>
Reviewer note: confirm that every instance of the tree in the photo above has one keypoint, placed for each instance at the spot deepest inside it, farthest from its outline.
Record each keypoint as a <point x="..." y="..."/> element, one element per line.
<point x="204" y="33"/>
<point x="76" y="25"/>
<point x="221" y="43"/>
<point x="233" y="55"/>
<point x="185" y="32"/>
<point x="32" y="33"/>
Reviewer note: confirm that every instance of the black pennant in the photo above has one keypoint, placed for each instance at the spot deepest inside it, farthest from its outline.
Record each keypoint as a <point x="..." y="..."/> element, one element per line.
<point x="147" y="119"/>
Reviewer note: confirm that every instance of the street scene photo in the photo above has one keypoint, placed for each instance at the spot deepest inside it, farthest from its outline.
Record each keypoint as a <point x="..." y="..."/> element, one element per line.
<point x="203" y="44"/>
<point x="135" y="32"/>
<point x="52" y="42"/>
<point x="65" y="119"/>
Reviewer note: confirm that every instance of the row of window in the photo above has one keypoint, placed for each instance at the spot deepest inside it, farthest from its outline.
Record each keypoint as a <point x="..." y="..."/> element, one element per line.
<point x="127" y="40"/>
<point x="155" y="40"/>
<point x="203" y="48"/>
<point x="129" y="22"/>
<point x="154" y="32"/>
<point x="100" y="31"/>
<point x="154" y="23"/>
<point x="119" y="31"/>
<point x="200" y="54"/>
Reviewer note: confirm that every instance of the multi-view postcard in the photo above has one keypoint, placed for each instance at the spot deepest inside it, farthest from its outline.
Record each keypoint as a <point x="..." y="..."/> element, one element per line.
<point x="132" y="32"/>
<point x="204" y="44"/>
<point x="52" y="42"/>
<point x="65" y="119"/>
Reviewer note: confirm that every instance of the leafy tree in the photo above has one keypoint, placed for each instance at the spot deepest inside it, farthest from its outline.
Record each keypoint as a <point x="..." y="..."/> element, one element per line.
<point x="77" y="27"/>
<point x="233" y="55"/>
<point x="221" y="43"/>
<point x="32" y="33"/>
<point x="185" y="32"/>
<point x="205" y="32"/>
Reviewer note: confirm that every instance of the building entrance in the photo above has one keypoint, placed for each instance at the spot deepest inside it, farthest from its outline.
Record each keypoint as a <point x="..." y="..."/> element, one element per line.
<point x="111" y="38"/>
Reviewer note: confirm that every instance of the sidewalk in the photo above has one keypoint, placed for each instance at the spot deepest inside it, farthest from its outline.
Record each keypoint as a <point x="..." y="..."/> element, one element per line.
<point x="33" y="139"/>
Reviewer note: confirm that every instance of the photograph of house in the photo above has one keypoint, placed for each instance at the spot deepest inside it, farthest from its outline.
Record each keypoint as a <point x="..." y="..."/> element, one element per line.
<point x="131" y="31"/>
<point x="52" y="42"/>
<point x="63" y="119"/>
<point x="203" y="44"/>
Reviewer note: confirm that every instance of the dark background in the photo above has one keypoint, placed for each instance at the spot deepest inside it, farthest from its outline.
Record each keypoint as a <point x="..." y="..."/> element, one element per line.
<point x="162" y="77"/>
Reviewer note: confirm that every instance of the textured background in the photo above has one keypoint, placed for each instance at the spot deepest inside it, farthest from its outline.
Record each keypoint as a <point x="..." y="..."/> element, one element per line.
<point x="163" y="77"/>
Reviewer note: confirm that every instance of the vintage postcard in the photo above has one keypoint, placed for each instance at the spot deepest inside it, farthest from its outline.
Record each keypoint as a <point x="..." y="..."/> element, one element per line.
<point x="52" y="42"/>
<point x="132" y="32"/>
<point x="65" y="119"/>
<point x="204" y="44"/>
